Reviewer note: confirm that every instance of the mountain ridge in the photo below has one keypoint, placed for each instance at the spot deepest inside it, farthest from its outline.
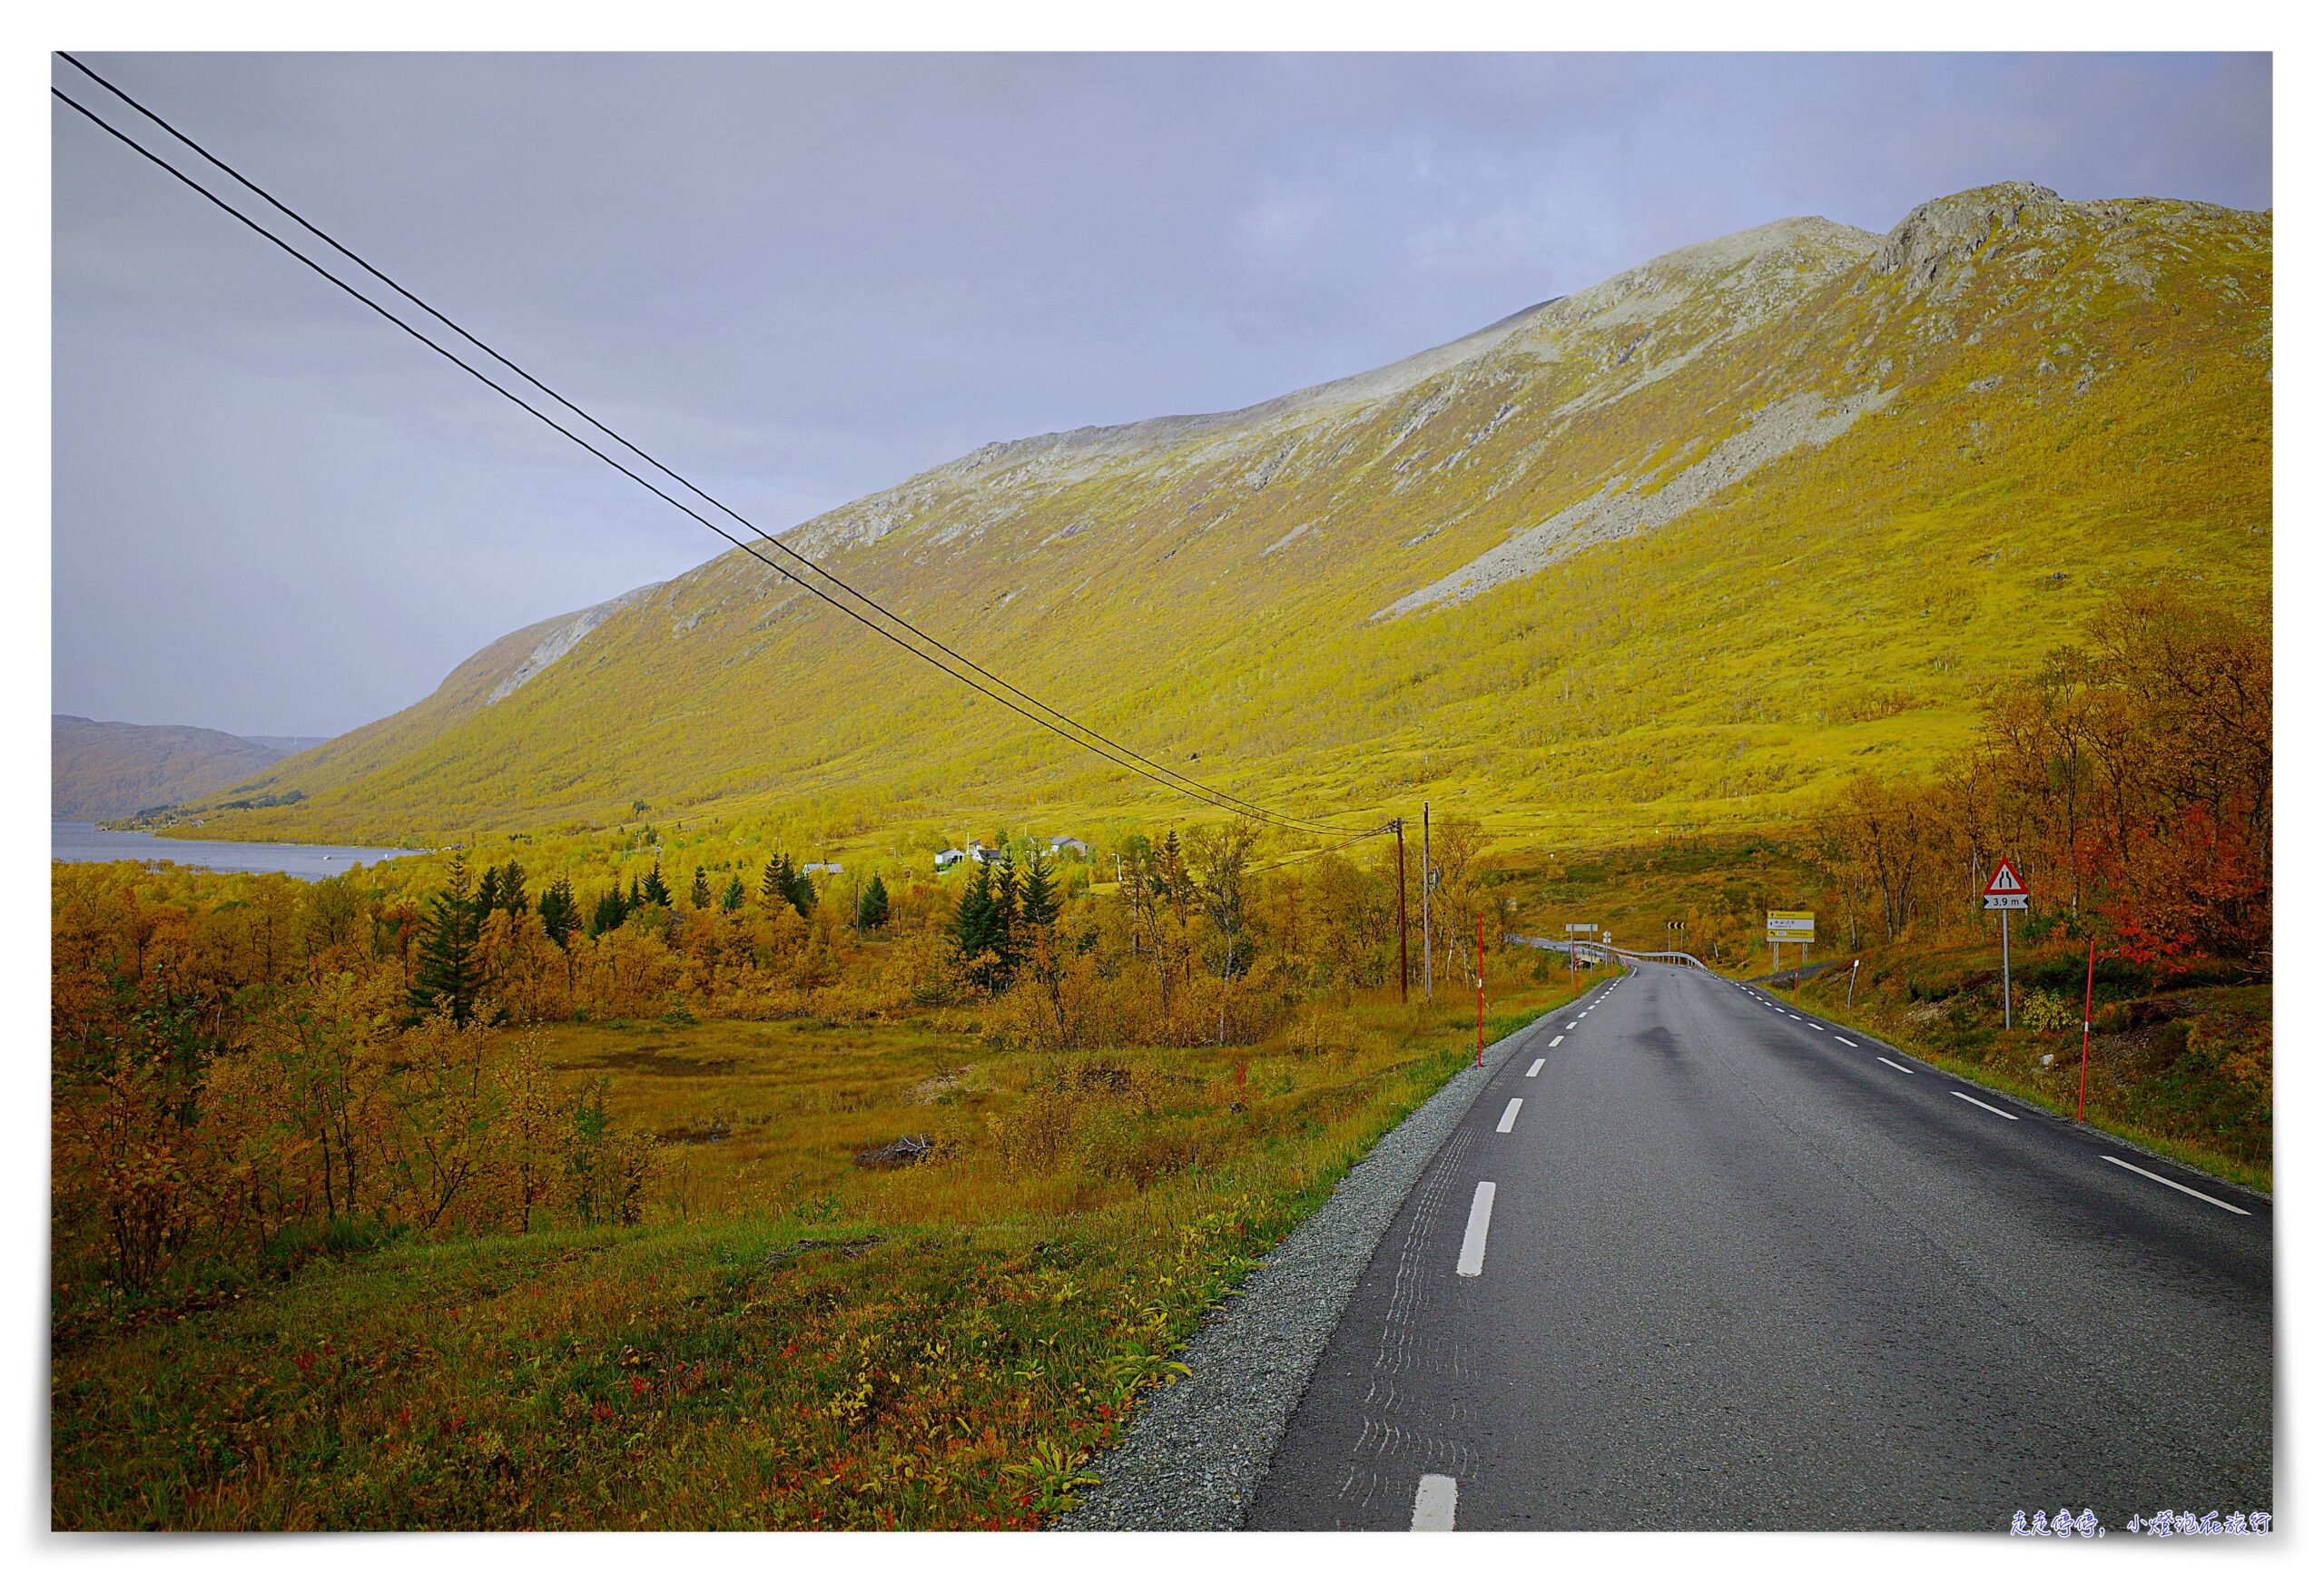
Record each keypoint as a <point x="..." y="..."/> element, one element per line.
<point x="2001" y="378"/>
<point x="112" y="769"/>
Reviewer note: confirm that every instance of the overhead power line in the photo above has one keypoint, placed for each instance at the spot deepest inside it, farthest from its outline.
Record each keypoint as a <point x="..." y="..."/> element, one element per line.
<point x="1324" y="852"/>
<point x="1058" y="722"/>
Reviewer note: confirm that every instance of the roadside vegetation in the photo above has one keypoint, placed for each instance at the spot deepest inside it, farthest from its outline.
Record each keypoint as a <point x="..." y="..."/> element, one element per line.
<point x="686" y="1186"/>
<point x="2129" y="782"/>
<point x="777" y="1222"/>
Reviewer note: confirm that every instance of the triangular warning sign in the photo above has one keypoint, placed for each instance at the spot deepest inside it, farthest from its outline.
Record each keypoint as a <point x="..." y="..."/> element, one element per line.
<point x="2005" y="881"/>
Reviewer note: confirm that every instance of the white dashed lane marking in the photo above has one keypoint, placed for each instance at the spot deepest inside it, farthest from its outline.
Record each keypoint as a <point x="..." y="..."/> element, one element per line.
<point x="1433" y="1505"/>
<point x="1557" y="1041"/>
<point x="1980" y="1105"/>
<point x="1849" y="1042"/>
<point x="2167" y="1182"/>
<point x="1509" y="1116"/>
<point x="1472" y="1243"/>
<point x="1898" y="1064"/>
<point x="1535" y="1070"/>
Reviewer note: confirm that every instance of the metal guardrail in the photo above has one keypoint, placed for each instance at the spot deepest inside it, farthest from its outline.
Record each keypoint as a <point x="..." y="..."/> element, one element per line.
<point x="1591" y="951"/>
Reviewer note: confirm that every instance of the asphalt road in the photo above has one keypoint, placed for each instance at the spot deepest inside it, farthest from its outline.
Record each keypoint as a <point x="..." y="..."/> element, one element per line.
<point x="1739" y="1272"/>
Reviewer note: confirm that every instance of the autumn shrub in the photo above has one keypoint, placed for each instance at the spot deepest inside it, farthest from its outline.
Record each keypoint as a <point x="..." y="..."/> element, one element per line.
<point x="2041" y="1011"/>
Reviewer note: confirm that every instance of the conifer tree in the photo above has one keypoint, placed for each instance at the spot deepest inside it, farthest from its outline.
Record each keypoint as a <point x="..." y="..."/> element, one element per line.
<point x="560" y="915"/>
<point x="699" y="898"/>
<point x="972" y="926"/>
<point x="512" y="888"/>
<point x="872" y="912"/>
<point x="612" y="911"/>
<point x="636" y="898"/>
<point x="450" y="974"/>
<point x="1170" y="881"/>
<point x="734" y="898"/>
<point x="1008" y="920"/>
<point x="488" y="892"/>
<point x="783" y="882"/>
<point x="1040" y="903"/>
<point x="657" y="889"/>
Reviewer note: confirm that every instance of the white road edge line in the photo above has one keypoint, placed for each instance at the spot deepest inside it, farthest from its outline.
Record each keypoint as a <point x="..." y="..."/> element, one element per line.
<point x="1535" y="1070"/>
<point x="1557" y="1041"/>
<point x="1509" y="1116"/>
<point x="2167" y="1182"/>
<point x="1980" y="1105"/>
<point x="1898" y="1064"/>
<point x="1849" y="1042"/>
<point x="1473" y="1243"/>
<point x="1433" y="1505"/>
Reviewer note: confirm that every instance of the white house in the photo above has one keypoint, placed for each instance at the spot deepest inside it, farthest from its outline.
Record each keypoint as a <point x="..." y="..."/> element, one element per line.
<point x="1061" y="845"/>
<point x="948" y="857"/>
<point x="985" y="854"/>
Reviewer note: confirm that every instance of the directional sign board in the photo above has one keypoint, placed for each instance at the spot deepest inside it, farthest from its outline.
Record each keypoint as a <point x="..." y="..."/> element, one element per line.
<point x="1582" y="928"/>
<point x="2006" y="890"/>
<point x="1787" y="927"/>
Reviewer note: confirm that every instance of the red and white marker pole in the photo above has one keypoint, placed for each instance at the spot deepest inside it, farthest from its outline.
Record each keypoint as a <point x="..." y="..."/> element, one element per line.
<point x="2089" y="992"/>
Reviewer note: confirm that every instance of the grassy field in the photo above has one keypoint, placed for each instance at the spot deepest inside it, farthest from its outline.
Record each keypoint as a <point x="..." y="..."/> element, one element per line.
<point x="795" y="1339"/>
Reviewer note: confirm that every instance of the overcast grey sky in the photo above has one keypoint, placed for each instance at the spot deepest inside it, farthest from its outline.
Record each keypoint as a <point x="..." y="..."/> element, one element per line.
<point x="802" y="278"/>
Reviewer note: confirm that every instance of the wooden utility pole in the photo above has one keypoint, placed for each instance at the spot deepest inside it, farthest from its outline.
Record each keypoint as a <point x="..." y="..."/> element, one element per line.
<point x="1481" y="989"/>
<point x="1427" y="934"/>
<point x="1404" y="933"/>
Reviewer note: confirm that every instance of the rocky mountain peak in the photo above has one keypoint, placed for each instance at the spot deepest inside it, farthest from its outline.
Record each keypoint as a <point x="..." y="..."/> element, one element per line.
<point x="1945" y="233"/>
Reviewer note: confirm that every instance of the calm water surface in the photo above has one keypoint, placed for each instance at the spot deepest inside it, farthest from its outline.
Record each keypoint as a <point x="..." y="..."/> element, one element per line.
<point x="75" y="841"/>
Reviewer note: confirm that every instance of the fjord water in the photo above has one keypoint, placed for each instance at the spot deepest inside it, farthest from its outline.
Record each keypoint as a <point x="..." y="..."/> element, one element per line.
<point x="72" y="840"/>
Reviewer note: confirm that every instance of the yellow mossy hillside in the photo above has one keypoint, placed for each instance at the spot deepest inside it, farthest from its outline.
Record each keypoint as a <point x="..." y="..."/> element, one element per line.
<point x="1685" y="550"/>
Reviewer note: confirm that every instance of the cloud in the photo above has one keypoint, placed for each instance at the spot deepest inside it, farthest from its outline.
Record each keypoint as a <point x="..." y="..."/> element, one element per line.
<point x="802" y="278"/>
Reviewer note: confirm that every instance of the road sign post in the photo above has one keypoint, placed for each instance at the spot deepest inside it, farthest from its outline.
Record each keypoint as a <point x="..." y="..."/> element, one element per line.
<point x="1788" y="926"/>
<point x="2005" y="893"/>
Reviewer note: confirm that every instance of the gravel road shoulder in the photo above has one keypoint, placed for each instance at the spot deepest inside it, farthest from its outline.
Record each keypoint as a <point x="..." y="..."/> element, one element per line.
<point x="1193" y="1458"/>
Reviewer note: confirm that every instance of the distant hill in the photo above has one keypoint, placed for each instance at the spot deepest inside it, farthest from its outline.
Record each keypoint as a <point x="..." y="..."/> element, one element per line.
<point x="288" y="745"/>
<point x="1684" y="549"/>
<point x="107" y="769"/>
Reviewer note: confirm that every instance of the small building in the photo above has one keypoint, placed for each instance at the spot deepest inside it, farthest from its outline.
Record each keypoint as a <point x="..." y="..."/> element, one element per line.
<point x="948" y="857"/>
<point x="821" y="869"/>
<point x="1062" y="846"/>
<point x="985" y="854"/>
